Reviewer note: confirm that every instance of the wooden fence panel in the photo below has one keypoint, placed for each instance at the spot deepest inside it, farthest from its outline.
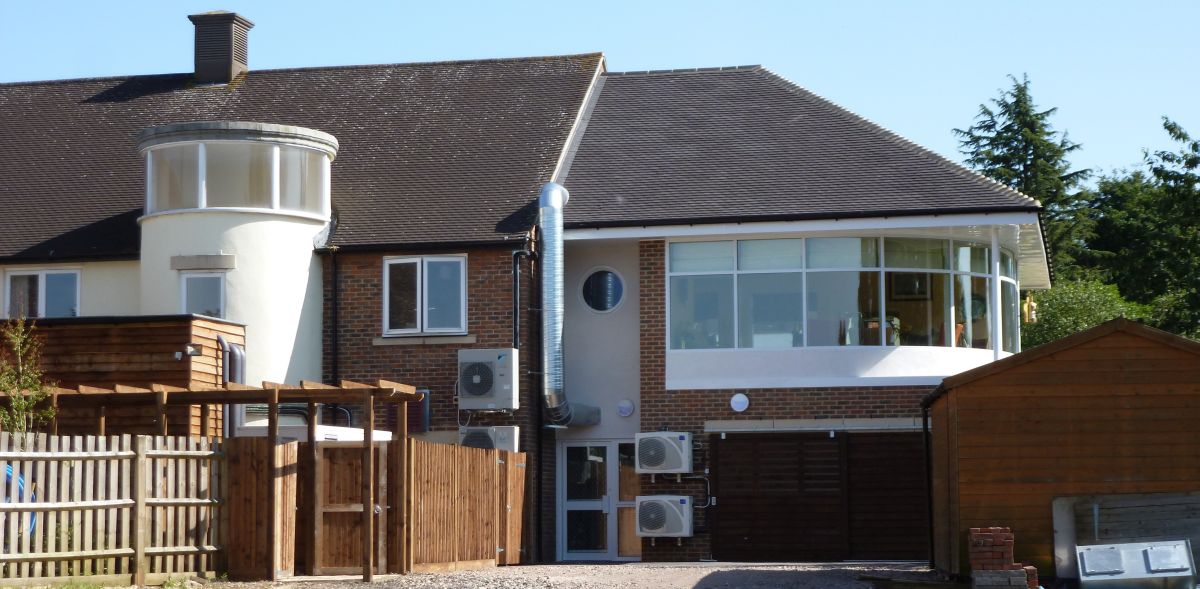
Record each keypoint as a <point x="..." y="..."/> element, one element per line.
<point x="512" y="516"/>
<point x="467" y="506"/>
<point x="253" y="557"/>
<point x="334" y="512"/>
<point x="71" y="512"/>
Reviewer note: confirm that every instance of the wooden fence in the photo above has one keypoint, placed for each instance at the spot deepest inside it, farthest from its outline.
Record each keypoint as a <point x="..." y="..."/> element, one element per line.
<point x="140" y="509"/>
<point x="115" y="510"/>
<point x="467" y="506"/>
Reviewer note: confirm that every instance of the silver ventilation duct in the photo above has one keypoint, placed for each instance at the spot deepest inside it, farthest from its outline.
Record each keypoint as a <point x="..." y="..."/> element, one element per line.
<point x="558" y="409"/>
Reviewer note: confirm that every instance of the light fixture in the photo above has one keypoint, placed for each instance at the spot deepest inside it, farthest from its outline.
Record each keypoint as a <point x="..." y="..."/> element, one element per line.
<point x="194" y="350"/>
<point x="739" y="402"/>
<point x="625" y="407"/>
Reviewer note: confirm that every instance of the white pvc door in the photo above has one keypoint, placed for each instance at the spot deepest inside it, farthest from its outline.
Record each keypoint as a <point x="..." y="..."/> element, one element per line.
<point x="596" y="492"/>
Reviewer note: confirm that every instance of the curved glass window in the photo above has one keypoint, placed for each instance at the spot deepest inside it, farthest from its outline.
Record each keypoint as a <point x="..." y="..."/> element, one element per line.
<point x="175" y="177"/>
<point x="843" y="291"/>
<point x="602" y="290"/>
<point x="237" y="174"/>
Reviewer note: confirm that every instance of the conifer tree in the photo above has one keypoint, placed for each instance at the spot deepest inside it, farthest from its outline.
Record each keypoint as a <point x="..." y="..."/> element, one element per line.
<point x="1013" y="143"/>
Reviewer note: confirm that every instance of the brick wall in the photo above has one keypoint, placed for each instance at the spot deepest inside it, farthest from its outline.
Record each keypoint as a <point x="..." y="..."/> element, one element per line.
<point x="991" y="555"/>
<point x="434" y="366"/>
<point x="687" y="410"/>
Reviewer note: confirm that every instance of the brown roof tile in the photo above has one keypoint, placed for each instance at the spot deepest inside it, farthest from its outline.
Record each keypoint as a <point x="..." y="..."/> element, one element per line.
<point x="743" y="144"/>
<point x="430" y="152"/>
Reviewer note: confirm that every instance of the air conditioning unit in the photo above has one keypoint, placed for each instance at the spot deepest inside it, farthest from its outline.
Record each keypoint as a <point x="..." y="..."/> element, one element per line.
<point x="487" y="379"/>
<point x="664" y="516"/>
<point x="503" y="437"/>
<point x="664" y="452"/>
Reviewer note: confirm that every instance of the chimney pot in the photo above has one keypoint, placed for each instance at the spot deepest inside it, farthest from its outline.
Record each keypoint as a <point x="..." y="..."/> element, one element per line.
<point x="221" y="46"/>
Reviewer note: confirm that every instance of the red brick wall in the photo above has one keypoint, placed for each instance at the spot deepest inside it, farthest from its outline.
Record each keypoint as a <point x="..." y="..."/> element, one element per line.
<point x="687" y="410"/>
<point x="434" y="366"/>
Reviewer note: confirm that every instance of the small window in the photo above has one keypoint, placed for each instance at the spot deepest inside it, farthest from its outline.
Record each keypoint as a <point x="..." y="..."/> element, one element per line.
<point x="204" y="294"/>
<point x="425" y="295"/>
<point x="43" y="294"/>
<point x="602" y="290"/>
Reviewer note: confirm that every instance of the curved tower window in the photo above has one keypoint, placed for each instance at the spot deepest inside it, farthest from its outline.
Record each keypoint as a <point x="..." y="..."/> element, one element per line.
<point x="229" y="165"/>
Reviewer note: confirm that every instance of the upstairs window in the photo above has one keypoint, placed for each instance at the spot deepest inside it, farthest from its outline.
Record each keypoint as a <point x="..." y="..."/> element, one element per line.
<point x="203" y="293"/>
<point x="426" y="294"/>
<point x="237" y="175"/>
<point x="48" y="293"/>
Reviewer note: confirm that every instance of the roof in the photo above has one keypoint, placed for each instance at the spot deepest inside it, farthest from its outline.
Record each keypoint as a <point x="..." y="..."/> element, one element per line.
<point x="743" y="144"/>
<point x="1119" y="324"/>
<point x="430" y="153"/>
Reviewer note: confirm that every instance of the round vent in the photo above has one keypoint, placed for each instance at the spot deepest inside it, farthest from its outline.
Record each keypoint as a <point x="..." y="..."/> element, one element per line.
<point x="652" y="452"/>
<point x="478" y="439"/>
<point x="652" y="516"/>
<point x="475" y="380"/>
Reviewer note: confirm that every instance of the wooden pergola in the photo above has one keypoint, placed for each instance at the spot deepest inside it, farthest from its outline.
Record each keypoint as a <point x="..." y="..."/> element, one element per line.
<point x="270" y="394"/>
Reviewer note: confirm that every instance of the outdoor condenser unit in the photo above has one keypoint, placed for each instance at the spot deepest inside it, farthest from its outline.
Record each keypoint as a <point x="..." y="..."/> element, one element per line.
<point x="663" y="452"/>
<point x="505" y="437"/>
<point x="1162" y="565"/>
<point x="664" y="516"/>
<point x="487" y="379"/>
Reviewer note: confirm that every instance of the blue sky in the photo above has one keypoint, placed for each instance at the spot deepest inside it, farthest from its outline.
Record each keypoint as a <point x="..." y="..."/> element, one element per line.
<point x="919" y="68"/>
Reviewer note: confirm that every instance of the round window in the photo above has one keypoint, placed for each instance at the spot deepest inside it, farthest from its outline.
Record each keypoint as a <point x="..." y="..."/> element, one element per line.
<point x="602" y="290"/>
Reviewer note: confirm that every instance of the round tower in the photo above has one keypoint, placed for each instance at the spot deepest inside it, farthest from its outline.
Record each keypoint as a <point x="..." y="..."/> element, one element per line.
<point x="233" y="213"/>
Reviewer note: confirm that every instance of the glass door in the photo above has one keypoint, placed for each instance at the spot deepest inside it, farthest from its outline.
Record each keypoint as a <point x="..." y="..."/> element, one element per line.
<point x="597" y="492"/>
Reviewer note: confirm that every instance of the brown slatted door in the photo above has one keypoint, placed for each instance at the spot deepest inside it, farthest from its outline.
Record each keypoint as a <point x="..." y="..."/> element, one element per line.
<point x="780" y="498"/>
<point x="889" y="504"/>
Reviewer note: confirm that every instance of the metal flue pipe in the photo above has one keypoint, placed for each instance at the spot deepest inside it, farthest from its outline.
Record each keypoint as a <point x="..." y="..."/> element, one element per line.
<point x="559" y="411"/>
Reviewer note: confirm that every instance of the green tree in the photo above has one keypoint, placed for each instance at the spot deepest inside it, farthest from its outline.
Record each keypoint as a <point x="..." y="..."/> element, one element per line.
<point x="1013" y="143"/>
<point x="1073" y="306"/>
<point x="21" y="380"/>
<point x="1147" y="234"/>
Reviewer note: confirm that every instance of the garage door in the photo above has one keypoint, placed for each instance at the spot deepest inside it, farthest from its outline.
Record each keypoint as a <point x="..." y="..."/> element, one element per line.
<point x="812" y="497"/>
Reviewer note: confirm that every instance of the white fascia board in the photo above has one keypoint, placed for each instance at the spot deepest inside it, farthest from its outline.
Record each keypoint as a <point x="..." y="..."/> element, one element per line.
<point x="812" y="226"/>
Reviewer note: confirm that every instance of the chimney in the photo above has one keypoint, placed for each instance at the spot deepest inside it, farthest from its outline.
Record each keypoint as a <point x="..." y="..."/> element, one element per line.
<point x="220" y="46"/>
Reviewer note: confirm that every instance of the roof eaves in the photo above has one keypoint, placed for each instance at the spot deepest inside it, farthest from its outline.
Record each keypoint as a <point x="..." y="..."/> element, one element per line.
<point x="801" y="217"/>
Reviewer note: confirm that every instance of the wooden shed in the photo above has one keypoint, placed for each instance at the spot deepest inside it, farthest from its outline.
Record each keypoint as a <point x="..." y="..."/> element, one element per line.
<point x="1111" y="411"/>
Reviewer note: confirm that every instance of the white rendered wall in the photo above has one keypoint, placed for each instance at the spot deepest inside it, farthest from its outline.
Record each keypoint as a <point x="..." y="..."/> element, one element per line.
<point x="819" y="366"/>
<point x="275" y="290"/>
<point x="109" y="288"/>
<point x="601" y="350"/>
<point x="105" y="288"/>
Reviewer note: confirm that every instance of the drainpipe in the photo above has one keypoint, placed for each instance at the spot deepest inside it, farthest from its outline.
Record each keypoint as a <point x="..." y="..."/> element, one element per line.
<point x="560" y="412"/>
<point x="225" y="357"/>
<point x="516" y="293"/>
<point x="928" y="480"/>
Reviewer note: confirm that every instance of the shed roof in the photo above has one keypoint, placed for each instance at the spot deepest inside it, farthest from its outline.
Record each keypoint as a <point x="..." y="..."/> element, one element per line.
<point x="1119" y="324"/>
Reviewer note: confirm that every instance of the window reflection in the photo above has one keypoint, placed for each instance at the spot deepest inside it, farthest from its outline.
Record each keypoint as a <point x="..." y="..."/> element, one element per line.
<point x="843" y="309"/>
<point x="786" y="293"/>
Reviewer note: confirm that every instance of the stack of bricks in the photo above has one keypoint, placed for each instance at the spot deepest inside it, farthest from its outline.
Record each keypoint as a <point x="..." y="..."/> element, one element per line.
<point x="992" y="566"/>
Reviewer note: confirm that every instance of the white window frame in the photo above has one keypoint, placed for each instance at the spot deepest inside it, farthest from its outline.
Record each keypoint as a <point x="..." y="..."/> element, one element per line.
<point x="41" y="302"/>
<point x="183" y="278"/>
<point x="993" y="293"/>
<point x="421" y="263"/>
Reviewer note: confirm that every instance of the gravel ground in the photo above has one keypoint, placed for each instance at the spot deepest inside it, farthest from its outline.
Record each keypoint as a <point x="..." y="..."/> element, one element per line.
<point x="637" y="576"/>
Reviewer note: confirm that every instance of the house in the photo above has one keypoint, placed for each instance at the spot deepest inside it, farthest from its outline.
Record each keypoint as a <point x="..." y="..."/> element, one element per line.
<point x="1088" y="440"/>
<point x="716" y="252"/>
